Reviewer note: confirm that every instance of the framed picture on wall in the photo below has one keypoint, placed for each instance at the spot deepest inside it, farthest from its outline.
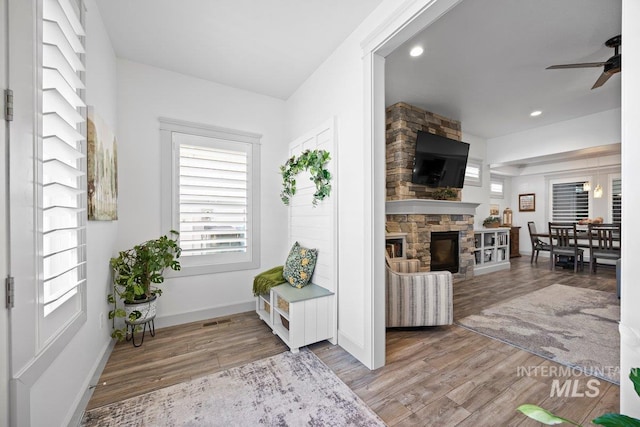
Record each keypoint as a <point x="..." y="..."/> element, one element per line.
<point x="494" y="210"/>
<point x="527" y="202"/>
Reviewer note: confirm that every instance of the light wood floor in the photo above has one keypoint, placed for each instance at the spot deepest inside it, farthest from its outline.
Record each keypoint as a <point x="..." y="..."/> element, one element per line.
<point x="444" y="376"/>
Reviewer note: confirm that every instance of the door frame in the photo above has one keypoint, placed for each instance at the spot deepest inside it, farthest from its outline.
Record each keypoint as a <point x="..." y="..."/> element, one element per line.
<point x="408" y="19"/>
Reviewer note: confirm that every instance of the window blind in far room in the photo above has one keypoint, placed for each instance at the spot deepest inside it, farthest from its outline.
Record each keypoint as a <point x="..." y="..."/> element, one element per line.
<point x="616" y="201"/>
<point x="570" y="203"/>
<point x="213" y="188"/>
<point x="63" y="180"/>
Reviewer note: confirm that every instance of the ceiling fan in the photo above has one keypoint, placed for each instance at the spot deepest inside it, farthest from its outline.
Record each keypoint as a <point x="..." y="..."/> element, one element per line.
<point x="611" y="65"/>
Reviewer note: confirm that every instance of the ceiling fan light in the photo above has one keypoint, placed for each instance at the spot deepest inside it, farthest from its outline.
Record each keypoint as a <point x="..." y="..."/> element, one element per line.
<point x="597" y="193"/>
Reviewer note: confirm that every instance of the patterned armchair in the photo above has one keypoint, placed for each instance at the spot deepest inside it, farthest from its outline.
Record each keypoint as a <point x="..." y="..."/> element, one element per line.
<point x="417" y="298"/>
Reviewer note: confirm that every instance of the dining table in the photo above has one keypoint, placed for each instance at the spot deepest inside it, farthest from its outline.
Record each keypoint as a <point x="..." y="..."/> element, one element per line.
<point x="582" y="238"/>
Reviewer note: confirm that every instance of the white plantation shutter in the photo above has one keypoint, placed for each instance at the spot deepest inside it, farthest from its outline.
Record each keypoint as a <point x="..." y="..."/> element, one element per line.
<point x="496" y="187"/>
<point x="213" y="200"/>
<point x="63" y="180"/>
<point x="569" y="202"/>
<point x="213" y="196"/>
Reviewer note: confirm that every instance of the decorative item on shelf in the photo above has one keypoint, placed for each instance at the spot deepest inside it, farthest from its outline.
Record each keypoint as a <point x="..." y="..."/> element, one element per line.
<point x="446" y="193"/>
<point x="491" y="222"/>
<point x="314" y="161"/>
<point x="136" y="274"/>
<point x="507" y="217"/>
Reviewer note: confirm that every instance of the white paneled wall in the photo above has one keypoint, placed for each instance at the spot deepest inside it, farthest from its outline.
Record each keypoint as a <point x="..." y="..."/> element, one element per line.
<point x="316" y="226"/>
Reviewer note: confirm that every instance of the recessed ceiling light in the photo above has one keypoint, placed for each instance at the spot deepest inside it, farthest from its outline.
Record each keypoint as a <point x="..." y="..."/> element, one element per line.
<point x="535" y="113"/>
<point x="416" y="51"/>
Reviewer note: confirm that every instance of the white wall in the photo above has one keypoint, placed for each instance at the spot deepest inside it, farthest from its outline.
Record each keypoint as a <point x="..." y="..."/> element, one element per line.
<point x="630" y="315"/>
<point x="336" y="90"/>
<point x="586" y="132"/>
<point x="57" y="393"/>
<point x="539" y="182"/>
<point x="146" y="93"/>
<point x="342" y="87"/>
<point x="481" y="194"/>
<point x="583" y="132"/>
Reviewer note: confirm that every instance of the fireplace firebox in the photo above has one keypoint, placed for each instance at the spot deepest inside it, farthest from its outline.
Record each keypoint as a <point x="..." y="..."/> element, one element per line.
<point x="445" y="252"/>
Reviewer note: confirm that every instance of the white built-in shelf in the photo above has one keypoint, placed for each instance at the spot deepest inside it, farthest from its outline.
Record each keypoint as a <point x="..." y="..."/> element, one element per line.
<point x="396" y="245"/>
<point x="491" y="251"/>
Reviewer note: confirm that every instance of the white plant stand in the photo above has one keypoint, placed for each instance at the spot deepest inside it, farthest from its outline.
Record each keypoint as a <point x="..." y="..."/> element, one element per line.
<point x="299" y="316"/>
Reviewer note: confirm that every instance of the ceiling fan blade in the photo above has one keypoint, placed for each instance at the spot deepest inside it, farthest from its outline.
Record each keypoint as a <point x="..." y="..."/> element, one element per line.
<point x="580" y="65"/>
<point x="601" y="80"/>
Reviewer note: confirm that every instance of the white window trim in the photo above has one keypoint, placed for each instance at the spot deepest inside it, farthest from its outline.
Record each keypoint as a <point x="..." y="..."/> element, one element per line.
<point x="478" y="163"/>
<point x="496" y="179"/>
<point x="169" y="192"/>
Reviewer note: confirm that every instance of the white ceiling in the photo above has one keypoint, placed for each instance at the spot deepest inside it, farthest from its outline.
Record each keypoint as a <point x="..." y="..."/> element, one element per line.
<point x="484" y="63"/>
<point x="267" y="47"/>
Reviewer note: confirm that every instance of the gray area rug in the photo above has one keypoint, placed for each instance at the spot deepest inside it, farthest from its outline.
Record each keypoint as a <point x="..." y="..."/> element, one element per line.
<point x="572" y="326"/>
<point x="283" y="390"/>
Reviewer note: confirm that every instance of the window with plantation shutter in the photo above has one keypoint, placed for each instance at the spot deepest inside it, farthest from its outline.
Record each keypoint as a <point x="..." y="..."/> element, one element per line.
<point x="214" y="201"/>
<point x="62" y="194"/>
<point x="473" y="172"/>
<point x="616" y="200"/>
<point x="569" y="202"/>
<point x="496" y="187"/>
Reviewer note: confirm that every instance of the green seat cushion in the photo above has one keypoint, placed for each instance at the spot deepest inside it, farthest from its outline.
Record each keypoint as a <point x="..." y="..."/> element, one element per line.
<point x="300" y="265"/>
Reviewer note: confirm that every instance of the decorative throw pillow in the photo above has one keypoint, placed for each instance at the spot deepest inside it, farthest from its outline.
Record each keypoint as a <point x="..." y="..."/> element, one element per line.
<point x="300" y="265"/>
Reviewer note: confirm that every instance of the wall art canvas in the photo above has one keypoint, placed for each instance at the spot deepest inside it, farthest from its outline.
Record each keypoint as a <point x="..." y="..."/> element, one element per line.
<point x="102" y="169"/>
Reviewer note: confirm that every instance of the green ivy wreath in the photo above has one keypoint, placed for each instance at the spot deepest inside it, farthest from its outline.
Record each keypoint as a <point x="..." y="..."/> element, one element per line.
<point x="314" y="161"/>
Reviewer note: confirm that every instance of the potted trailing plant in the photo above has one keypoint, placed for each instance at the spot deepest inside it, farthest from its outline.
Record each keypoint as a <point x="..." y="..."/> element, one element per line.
<point x="136" y="274"/>
<point x="491" y="222"/>
<point x="445" y="193"/>
<point x="314" y="161"/>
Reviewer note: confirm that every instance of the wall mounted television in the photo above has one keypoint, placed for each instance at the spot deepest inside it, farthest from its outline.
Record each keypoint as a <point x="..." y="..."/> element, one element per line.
<point x="439" y="161"/>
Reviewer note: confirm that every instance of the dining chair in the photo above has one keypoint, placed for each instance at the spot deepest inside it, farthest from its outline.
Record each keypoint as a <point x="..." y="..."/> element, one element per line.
<point x="537" y="244"/>
<point x="564" y="242"/>
<point x="604" y="243"/>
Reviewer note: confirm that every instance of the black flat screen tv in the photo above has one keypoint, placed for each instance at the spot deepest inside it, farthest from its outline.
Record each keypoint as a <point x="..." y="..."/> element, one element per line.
<point x="439" y="161"/>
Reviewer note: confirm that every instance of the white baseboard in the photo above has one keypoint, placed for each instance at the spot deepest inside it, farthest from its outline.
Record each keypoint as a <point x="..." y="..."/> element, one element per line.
<point x="209" y="313"/>
<point x="93" y="380"/>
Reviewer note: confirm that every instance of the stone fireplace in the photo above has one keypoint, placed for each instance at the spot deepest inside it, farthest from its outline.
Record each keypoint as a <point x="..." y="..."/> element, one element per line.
<point x="444" y="251"/>
<point x="421" y="219"/>
<point x="411" y="209"/>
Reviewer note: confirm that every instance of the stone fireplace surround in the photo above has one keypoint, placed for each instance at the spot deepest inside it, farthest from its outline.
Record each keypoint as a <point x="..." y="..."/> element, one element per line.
<point x="410" y="208"/>
<point x="419" y="218"/>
